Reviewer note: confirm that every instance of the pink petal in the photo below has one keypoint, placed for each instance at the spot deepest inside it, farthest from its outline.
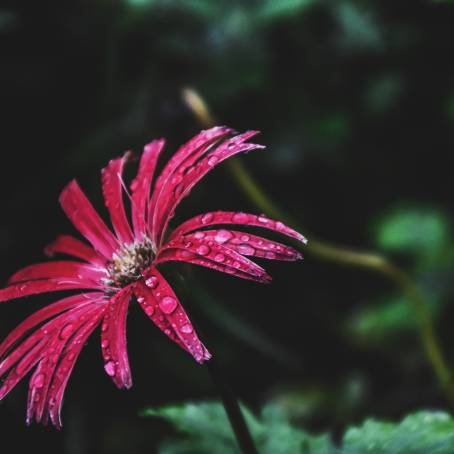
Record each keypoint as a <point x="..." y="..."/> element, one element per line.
<point x="180" y="163"/>
<point x="30" y="357"/>
<point x="113" y="339"/>
<point x="247" y="244"/>
<point x="140" y="186"/>
<point x="85" y="218"/>
<point x="113" y="196"/>
<point x="43" y="286"/>
<point x="84" y="273"/>
<point x="161" y="305"/>
<point x="66" y="244"/>
<point x="213" y="255"/>
<point x="171" y="256"/>
<point x="45" y="313"/>
<point x="33" y="349"/>
<point x="67" y="326"/>
<point x="65" y="366"/>
<point x="235" y="217"/>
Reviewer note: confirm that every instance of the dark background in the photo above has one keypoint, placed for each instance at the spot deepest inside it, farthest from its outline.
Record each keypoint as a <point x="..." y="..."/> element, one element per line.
<point x="355" y="101"/>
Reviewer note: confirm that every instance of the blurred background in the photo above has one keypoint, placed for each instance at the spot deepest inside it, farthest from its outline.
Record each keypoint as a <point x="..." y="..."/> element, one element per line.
<point x="355" y="101"/>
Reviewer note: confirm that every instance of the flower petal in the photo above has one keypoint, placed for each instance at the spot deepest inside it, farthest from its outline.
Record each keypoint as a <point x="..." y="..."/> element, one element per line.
<point x="214" y="256"/>
<point x="140" y="186"/>
<point x="161" y="305"/>
<point x="113" y="339"/>
<point x="82" y="272"/>
<point x="66" y="327"/>
<point x="235" y="217"/>
<point x="181" y="163"/>
<point x="113" y="197"/>
<point x="44" y="314"/>
<point x="42" y="286"/>
<point x="66" y="244"/>
<point x="33" y="349"/>
<point x="246" y="244"/>
<point x="86" y="219"/>
<point x="66" y="365"/>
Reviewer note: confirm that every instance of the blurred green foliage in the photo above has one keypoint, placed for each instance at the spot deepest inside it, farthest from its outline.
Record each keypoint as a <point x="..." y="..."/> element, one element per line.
<point x="424" y="237"/>
<point x="204" y="429"/>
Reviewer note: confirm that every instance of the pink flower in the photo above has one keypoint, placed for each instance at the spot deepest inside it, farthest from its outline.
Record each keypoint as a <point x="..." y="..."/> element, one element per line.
<point x="123" y="264"/>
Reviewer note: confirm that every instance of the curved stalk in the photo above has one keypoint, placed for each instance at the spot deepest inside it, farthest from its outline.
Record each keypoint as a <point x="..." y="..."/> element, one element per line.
<point x="342" y="255"/>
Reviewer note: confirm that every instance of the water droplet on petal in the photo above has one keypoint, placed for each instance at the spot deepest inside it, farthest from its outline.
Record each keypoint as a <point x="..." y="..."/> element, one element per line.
<point x="186" y="329"/>
<point x="222" y="236"/>
<point x="152" y="282"/>
<point x="104" y="327"/>
<point x="134" y="185"/>
<point x="140" y="299"/>
<point x="263" y="219"/>
<point x="245" y="249"/>
<point x="213" y="160"/>
<point x="105" y="343"/>
<point x="38" y="382"/>
<point x="219" y="257"/>
<point x="168" y="304"/>
<point x="149" y="310"/>
<point x="199" y="235"/>
<point x="203" y="249"/>
<point x="240" y="218"/>
<point x="110" y="368"/>
<point x="206" y="218"/>
<point x="66" y="331"/>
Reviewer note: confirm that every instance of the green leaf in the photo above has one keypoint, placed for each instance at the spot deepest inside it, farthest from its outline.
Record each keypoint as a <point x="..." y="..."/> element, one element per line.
<point x="271" y="10"/>
<point x="419" y="433"/>
<point x="420" y="231"/>
<point x="381" y="323"/>
<point x="208" y="430"/>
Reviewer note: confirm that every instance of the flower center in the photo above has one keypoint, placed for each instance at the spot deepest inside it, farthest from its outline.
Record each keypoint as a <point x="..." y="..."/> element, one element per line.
<point x="129" y="262"/>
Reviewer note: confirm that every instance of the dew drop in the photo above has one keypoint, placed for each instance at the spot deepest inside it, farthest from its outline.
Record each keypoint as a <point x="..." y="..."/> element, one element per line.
<point x="149" y="310"/>
<point x="104" y="327"/>
<point x="203" y="249"/>
<point x="213" y="160"/>
<point x="167" y="331"/>
<point x="263" y="219"/>
<point x="38" y="382"/>
<point x="109" y="367"/>
<point x="222" y="236"/>
<point x="199" y="235"/>
<point x="168" y="304"/>
<point x="219" y="257"/>
<point x="105" y="343"/>
<point x="66" y="331"/>
<point x="134" y="185"/>
<point x="246" y="249"/>
<point x="140" y="299"/>
<point x="151" y="282"/>
<point x="240" y="217"/>
<point x="186" y="329"/>
<point x="206" y="218"/>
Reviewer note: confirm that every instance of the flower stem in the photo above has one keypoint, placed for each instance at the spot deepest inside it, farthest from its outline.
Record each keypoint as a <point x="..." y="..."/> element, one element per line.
<point x="232" y="409"/>
<point x="343" y="256"/>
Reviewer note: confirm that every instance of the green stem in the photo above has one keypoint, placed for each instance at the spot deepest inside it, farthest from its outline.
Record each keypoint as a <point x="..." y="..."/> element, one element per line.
<point x="343" y="256"/>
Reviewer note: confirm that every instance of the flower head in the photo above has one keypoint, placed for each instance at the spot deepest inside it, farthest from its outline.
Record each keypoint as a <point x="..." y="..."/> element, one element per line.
<point x="118" y="266"/>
